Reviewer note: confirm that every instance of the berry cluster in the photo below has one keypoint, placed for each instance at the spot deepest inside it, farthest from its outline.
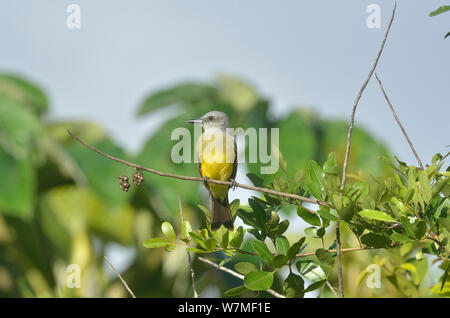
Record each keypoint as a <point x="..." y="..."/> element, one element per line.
<point x="138" y="178"/>
<point x="124" y="183"/>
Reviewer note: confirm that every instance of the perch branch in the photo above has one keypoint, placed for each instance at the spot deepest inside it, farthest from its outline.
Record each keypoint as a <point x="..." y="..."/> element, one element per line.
<point x="347" y="150"/>
<point x="176" y="176"/>
<point x="240" y="276"/>
<point x="117" y="273"/>
<point x="399" y="123"/>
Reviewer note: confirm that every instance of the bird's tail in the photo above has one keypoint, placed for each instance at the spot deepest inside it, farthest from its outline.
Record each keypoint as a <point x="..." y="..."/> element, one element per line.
<point x="221" y="214"/>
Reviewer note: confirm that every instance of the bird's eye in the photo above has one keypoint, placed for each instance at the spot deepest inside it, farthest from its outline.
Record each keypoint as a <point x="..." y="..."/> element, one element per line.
<point x="210" y="118"/>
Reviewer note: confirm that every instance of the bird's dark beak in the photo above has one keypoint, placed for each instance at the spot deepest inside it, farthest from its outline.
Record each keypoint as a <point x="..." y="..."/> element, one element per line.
<point x="195" y="121"/>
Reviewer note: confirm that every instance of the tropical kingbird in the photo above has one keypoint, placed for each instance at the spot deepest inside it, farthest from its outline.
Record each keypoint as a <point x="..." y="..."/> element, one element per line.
<point x="217" y="154"/>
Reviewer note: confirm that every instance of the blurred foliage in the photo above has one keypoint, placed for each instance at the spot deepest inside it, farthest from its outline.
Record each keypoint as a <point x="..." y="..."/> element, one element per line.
<point x="60" y="203"/>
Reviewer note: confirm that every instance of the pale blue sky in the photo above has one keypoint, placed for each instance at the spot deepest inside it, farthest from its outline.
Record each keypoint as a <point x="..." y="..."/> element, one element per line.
<point x="314" y="53"/>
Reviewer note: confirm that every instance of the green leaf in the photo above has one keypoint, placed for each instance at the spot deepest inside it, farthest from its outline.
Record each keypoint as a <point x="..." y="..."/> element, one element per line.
<point x="407" y="226"/>
<point x="196" y="250"/>
<point x="210" y="244"/>
<point x="324" y="212"/>
<point x="376" y="215"/>
<point x="315" y="179"/>
<point x="198" y="239"/>
<point x="299" y="177"/>
<point x="375" y="240"/>
<point x="262" y="250"/>
<point x="310" y="270"/>
<point x="399" y="238"/>
<point x="170" y="247"/>
<point x="186" y="228"/>
<point x="294" y="286"/>
<point x="439" y="10"/>
<point x="19" y="127"/>
<point x="205" y="211"/>
<point x="445" y="222"/>
<point x="168" y="231"/>
<point x="324" y="256"/>
<point x="23" y="92"/>
<point x="238" y="238"/>
<point x="330" y="166"/>
<point x="234" y="205"/>
<point x="249" y="218"/>
<point x="425" y="187"/>
<point x="256" y="180"/>
<point x="444" y="207"/>
<point x="280" y="228"/>
<point x="282" y="245"/>
<point x="405" y="249"/>
<point x="308" y="217"/>
<point x="258" y="280"/>
<point x="279" y="261"/>
<point x="419" y="230"/>
<point x="311" y="232"/>
<point x="347" y="212"/>
<point x="315" y="285"/>
<point x="245" y="267"/>
<point x="292" y="252"/>
<point x="235" y="291"/>
<point x="156" y="242"/>
<point x="321" y="232"/>
<point x="18" y="197"/>
<point x="400" y="206"/>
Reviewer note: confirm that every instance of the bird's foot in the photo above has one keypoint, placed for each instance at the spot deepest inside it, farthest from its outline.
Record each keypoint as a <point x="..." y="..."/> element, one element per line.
<point x="233" y="185"/>
<point x="205" y="181"/>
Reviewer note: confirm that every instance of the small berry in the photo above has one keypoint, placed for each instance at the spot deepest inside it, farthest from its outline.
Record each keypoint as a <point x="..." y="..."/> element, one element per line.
<point x="138" y="178"/>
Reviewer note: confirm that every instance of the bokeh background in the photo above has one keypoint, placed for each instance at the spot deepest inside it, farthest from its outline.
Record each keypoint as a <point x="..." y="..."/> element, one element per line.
<point x="136" y="70"/>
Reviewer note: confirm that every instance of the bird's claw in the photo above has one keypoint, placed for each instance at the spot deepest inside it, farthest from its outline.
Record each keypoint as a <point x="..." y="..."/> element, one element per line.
<point x="205" y="181"/>
<point x="233" y="185"/>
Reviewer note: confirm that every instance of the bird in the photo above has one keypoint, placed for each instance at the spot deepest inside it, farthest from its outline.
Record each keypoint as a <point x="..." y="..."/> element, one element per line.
<point x="217" y="155"/>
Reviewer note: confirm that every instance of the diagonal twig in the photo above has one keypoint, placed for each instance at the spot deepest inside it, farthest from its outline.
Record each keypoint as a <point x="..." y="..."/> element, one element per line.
<point x="347" y="149"/>
<point x="120" y="277"/>
<point x="331" y="288"/>
<point x="188" y="255"/>
<point x="399" y="123"/>
<point x="240" y="276"/>
<point x="229" y="183"/>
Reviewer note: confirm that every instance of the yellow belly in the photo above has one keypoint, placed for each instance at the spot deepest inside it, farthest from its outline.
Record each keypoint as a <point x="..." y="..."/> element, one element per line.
<point x="214" y="163"/>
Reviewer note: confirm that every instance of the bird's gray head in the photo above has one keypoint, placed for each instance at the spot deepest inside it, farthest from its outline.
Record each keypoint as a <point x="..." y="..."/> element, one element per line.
<point x="213" y="119"/>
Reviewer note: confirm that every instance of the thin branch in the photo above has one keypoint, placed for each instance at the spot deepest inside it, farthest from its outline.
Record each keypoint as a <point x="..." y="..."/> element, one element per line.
<point x="347" y="150"/>
<point x="188" y="255"/>
<point x="399" y="123"/>
<point x="240" y="276"/>
<point x="343" y="250"/>
<point x="358" y="97"/>
<point x="176" y="176"/>
<point x="331" y="288"/>
<point x="117" y="273"/>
